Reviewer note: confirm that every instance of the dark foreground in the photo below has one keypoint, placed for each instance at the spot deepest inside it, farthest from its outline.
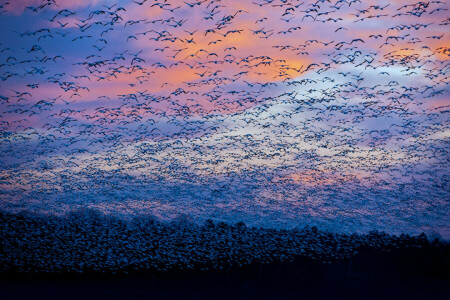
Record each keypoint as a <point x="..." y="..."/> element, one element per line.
<point x="90" y="256"/>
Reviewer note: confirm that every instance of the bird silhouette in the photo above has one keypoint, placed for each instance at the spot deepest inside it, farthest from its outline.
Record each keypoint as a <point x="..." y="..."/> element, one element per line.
<point x="330" y="112"/>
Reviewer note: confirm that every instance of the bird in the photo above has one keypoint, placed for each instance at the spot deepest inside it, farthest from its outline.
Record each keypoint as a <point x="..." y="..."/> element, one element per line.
<point x="310" y="113"/>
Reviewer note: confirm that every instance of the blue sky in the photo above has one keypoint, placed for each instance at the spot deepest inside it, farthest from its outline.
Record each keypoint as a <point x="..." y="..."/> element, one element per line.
<point x="278" y="113"/>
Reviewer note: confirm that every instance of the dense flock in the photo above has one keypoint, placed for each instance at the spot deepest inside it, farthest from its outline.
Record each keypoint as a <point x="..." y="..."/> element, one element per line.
<point x="275" y="112"/>
<point x="88" y="241"/>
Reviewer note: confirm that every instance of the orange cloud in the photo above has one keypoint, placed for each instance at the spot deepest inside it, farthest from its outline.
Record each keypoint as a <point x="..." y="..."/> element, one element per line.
<point x="319" y="178"/>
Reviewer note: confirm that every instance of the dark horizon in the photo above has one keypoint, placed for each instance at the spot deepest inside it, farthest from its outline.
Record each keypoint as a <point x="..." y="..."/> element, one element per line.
<point x="90" y="255"/>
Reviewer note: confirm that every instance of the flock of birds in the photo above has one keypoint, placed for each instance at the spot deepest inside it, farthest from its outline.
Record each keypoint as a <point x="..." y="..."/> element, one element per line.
<point x="274" y="112"/>
<point x="86" y="241"/>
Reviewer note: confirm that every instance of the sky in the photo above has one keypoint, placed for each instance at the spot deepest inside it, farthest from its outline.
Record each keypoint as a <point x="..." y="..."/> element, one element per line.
<point x="275" y="113"/>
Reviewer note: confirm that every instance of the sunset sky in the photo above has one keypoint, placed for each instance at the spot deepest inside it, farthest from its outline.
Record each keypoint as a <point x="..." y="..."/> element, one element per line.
<point x="278" y="113"/>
